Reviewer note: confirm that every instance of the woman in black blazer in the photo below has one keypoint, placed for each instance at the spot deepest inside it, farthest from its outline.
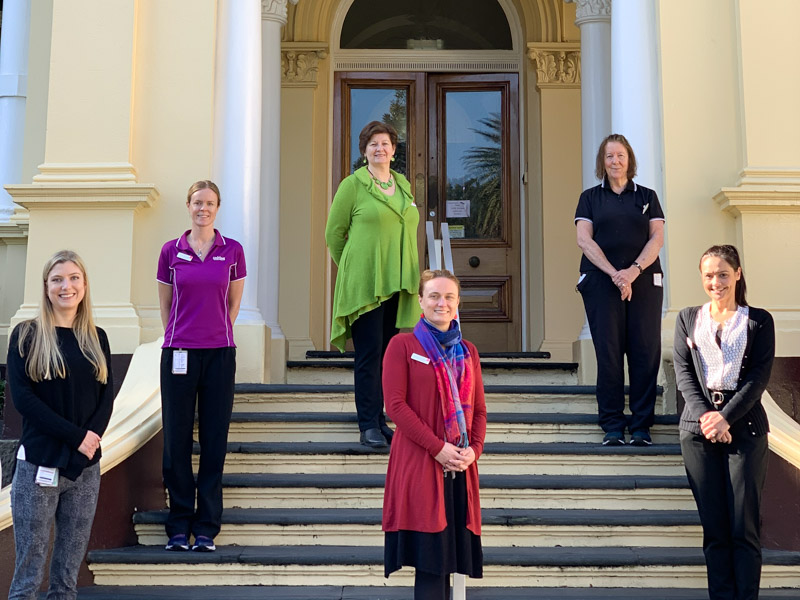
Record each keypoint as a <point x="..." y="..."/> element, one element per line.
<point x="723" y="356"/>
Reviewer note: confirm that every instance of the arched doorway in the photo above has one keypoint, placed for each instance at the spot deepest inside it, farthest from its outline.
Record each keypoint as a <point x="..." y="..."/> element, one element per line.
<point x="446" y="75"/>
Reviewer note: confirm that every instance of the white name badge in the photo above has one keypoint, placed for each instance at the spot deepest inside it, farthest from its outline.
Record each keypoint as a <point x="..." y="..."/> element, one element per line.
<point x="47" y="477"/>
<point x="658" y="280"/>
<point x="184" y="256"/>
<point x="419" y="358"/>
<point x="180" y="362"/>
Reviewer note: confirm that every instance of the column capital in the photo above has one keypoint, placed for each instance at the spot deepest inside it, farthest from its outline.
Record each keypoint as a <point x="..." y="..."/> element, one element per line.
<point x="275" y="10"/>
<point x="591" y="11"/>
<point x="300" y="63"/>
<point x="558" y="65"/>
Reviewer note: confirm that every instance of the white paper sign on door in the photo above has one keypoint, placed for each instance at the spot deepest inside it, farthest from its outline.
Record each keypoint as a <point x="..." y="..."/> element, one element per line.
<point x="458" y="209"/>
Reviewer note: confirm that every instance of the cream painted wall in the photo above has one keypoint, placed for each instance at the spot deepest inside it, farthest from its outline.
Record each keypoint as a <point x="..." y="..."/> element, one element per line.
<point x="532" y="139"/>
<point x="703" y="136"/>
<point x="298" y="139"/>
<point x="38" y="80"/>
<point x="771" y="86"/>
<point x="173" y="112"/>
<point x="89" y="109"/>
<point x="561" y="186"/>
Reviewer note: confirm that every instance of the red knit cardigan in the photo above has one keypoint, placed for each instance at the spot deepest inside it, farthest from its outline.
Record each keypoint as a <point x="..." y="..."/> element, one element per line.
<point x="414" y="494"/>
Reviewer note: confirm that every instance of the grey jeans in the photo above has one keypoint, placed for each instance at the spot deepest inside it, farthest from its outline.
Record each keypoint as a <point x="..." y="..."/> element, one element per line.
<point x="34" y="509"/>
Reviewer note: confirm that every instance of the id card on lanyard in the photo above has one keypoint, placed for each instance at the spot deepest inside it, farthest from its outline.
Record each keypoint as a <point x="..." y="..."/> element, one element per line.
<point x="180" y="362"/>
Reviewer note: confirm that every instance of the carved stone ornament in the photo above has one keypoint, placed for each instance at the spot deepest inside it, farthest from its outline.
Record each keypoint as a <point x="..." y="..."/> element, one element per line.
<point x="591" y="10"/>
<point x="275" y="10"/>
<point x="557" y="65"/>
<point x="300" y="63"/>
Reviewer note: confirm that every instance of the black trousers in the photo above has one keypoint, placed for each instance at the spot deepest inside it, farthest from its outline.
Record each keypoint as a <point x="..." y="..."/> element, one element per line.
<point x="371" y="334"/>
<point x="727" y="480"/>
<point x="429" y="586"/>
<point x="629" y="328"/>
<point x="208" y="386"/>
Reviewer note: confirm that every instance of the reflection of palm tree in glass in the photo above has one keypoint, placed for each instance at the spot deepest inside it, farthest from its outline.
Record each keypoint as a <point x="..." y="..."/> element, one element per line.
<point x="397" y="118"/>
<point x="486" y="162"/>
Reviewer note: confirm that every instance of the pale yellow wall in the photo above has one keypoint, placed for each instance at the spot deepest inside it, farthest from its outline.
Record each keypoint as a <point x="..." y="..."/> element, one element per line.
<point x="173" y="112"/>
<point x="533" y="208"/>
<point x="770" y="47"/>
<point x="561" y="186"/>
<point x="298" y="139"/>
<point x="38" y="80"/>
<point x="703" y="138"/>
<point x="732" y="160"/>
<point x="89" y="109"/>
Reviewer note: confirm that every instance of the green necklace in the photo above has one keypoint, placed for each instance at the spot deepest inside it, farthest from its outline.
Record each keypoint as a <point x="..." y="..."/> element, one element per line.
<point x="383" y="185"/>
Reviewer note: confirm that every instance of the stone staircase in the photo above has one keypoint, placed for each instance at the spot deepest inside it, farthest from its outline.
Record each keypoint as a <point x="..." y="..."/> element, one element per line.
<point x="564" y="517"/>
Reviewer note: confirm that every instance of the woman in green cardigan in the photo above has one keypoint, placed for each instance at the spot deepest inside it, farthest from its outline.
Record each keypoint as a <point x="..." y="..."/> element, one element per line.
<point x="372" y="236"/>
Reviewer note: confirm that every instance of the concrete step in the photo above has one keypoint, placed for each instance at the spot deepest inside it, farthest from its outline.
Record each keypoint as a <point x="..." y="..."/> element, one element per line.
<point x="259" y="592"/>
<point x="343" y="565"/>
<point x="501" y="427"/>
<point x="574" y="399"/>
<point x="501" y="527"/>
<point x="338" y="491"/>
<point x="540" y="458"/>
<point x="497" y="369"/>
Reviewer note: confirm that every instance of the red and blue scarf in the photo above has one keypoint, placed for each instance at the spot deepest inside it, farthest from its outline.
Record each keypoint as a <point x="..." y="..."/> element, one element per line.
<point x="454" y="377"/>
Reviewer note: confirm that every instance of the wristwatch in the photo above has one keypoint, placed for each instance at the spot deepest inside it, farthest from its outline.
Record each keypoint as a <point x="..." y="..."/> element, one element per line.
<point x="638" y="266"/>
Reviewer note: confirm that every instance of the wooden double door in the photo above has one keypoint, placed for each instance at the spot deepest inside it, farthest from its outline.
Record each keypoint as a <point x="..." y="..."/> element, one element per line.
<point x="459" y="147"/>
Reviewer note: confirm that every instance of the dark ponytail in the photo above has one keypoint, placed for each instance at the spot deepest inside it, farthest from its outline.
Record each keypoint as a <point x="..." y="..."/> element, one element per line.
<point x="730" y="255"/>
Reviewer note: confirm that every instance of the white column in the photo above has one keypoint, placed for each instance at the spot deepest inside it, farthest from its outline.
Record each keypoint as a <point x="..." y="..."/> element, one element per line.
<point x="237" y="135"/>
<point x="13" y="90"/>
<point x="594" y="20"/>
<point x="273" y="18"/>
<point x="593" y="17"/>
<point x="636" y="92"/>
<point x="635" y="88"/>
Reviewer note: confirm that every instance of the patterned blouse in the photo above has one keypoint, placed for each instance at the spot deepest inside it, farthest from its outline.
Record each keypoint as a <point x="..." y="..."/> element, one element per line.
<point x="721" y="349"/>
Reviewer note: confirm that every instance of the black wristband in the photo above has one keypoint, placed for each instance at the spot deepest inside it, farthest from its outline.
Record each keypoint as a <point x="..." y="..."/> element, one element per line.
<point x="638" y="266"/>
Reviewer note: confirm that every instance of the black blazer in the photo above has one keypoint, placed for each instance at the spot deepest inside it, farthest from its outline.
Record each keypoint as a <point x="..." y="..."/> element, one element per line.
<point x="743" y="411"/>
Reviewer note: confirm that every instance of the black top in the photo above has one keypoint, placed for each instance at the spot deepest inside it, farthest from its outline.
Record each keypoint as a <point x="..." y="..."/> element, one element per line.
<point x="743" y="411"/>
<point x="57" y="413"/>
<point x="620" y="222"/>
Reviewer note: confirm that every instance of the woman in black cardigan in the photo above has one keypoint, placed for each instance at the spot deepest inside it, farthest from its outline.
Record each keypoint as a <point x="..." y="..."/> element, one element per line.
<point x="723" y="356"/>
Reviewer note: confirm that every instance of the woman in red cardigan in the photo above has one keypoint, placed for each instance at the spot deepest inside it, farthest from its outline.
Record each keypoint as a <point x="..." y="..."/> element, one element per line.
<point x="433" y="391"/>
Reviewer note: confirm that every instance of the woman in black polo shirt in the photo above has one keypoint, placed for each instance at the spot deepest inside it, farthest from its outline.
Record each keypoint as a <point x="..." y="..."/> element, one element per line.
<point x="620" y="231"/>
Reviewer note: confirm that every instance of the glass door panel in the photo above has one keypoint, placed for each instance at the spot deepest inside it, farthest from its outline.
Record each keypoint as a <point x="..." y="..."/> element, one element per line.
<point x="388" y="105"/>
<point x="474" y="165"/>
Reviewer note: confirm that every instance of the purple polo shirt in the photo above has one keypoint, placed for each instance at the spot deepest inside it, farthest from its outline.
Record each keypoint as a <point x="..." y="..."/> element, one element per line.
<point x="199" y="317"/>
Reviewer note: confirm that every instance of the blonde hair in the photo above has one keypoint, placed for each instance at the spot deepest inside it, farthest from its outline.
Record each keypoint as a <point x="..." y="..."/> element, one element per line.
<point x="45" y="360"/>
<point x="429" y="274"/>
<point x="203" y="184"/>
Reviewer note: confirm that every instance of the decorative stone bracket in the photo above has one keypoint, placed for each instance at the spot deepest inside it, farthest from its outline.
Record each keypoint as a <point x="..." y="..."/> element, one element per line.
<point x="300" y="63"/>
<point x="558" y="65"/>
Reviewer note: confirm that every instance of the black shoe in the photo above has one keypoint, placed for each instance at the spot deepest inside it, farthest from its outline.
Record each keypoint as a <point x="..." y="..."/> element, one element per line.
<point x="641" y="437"/>
<point x="373" y="438"/>
<point x="614" y="438"/>
<point x="387" y="432"/>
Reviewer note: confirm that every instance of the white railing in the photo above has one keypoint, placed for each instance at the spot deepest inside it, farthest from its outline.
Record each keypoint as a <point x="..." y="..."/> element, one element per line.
<point x="436" y="249"/>
<point x="134" y="422"/>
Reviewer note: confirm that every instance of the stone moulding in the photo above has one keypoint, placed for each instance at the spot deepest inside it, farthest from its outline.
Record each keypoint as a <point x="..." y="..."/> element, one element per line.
<point x="275" y="10"/>
<point x="300" y="63"/>
<point x="135" y="421"/>
<point x="557" y="65"/>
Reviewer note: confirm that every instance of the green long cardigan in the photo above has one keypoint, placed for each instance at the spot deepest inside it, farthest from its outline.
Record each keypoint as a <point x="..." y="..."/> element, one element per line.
<point x="375" y="247"/>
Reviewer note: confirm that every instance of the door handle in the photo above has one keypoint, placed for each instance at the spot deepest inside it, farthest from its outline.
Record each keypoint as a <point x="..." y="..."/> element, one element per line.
<point x="474" y="262"/>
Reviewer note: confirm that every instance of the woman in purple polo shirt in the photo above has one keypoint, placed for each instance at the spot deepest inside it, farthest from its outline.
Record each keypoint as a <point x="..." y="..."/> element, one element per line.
<point x="200" y="282"/>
